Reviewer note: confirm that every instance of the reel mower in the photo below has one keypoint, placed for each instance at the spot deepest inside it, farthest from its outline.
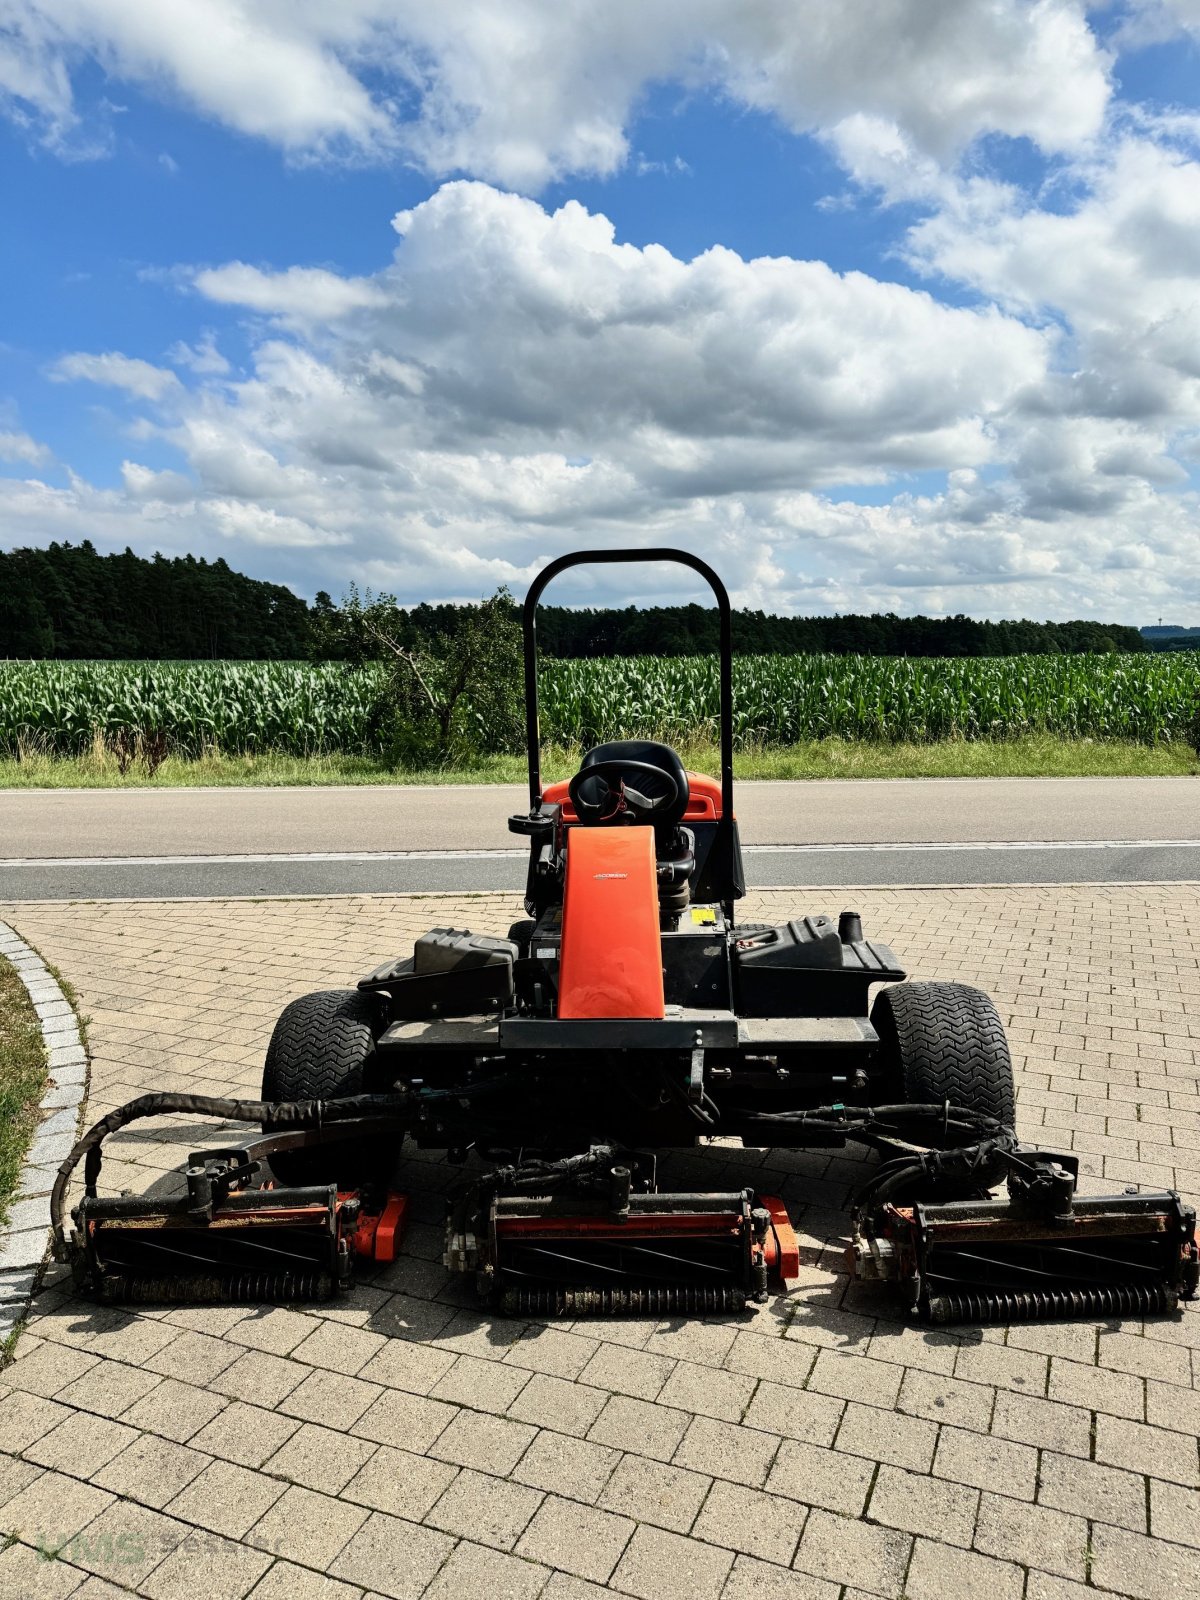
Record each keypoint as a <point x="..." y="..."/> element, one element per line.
<point x="628" y="1013"/>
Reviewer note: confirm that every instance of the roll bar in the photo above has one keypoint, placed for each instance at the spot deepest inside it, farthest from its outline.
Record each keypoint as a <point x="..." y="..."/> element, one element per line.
<point x="605" y="558"/>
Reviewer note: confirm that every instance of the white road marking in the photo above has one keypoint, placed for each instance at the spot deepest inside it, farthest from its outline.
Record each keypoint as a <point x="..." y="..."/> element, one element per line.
<point x="251" y="860"/>
<point x="875" y="848"/>
<point x="976" y="844"/>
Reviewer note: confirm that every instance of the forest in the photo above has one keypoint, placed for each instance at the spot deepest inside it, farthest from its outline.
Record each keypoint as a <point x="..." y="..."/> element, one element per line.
<point x="69" y="602"/>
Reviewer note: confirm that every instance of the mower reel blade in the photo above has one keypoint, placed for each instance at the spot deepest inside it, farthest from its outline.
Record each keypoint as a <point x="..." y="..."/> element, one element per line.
<point x="274" y="1245"/>
<point x="627" y="1254"/>
<point x="986" y="1261"/>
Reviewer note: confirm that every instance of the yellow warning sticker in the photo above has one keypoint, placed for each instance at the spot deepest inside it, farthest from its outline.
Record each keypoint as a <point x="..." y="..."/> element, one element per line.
<point x="704" y="916"/>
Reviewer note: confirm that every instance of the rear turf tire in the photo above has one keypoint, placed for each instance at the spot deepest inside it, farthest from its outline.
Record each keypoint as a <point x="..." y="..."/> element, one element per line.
<point x="945" y="1041"/>
<point x="323" y="1048"/>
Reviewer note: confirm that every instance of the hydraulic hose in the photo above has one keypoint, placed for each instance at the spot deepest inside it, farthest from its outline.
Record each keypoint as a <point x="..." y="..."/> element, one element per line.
<point x="542" y="1175"/>
<point x="963" y="1145"/>
<point x="284" y="1114"/>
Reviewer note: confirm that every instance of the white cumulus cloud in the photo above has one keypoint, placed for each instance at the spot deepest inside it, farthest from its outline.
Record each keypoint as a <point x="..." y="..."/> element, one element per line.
<point x="116" y="371"/>
<point x="306" y="294"/>
<point x="518" y="382"/>
<point x="524" y="323"/>
<point x="521" y="91"/>
<point x="1020" y="436"/>
<point x="202" y="357"/>
<point x="16" y="446"/>
<point x="145" y="484"/>
<point x="265" y="70"/>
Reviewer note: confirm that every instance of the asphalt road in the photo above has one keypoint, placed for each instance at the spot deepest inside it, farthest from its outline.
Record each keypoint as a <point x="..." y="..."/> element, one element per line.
<point x="152" y="844"/>
<point x="40" y="824"/>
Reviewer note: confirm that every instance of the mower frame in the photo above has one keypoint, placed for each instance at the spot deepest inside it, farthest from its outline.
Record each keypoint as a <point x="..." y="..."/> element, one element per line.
<point x="629" y="1014"/>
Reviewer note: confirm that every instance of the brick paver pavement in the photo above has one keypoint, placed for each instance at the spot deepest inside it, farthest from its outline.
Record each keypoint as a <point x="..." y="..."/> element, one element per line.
<point x="397" y="1443"/>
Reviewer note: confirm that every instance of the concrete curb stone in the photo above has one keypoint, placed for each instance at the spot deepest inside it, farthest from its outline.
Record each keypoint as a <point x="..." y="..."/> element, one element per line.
<point x="24" y="1237"/>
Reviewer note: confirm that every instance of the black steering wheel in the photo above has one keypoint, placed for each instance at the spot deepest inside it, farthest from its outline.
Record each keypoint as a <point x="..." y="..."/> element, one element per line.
<point x="612" y="799"/>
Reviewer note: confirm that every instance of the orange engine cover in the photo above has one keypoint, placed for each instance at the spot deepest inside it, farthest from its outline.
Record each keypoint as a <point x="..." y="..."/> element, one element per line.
<point x="611" y="956"/>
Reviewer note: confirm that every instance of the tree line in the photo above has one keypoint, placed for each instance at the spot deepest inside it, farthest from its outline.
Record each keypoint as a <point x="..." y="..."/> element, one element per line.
<point x="691" y="630"/>
<point x="69" y="602"/>
<point x="1183" y="639"/>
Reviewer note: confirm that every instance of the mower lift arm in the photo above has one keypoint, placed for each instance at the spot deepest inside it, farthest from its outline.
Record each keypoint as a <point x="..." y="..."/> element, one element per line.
<point x="312" y="1116"/>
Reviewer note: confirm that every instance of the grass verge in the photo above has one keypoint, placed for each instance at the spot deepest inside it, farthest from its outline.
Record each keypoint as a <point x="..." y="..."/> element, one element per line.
<point x="1038" y="756"/>
<point x="23" y="1078"/>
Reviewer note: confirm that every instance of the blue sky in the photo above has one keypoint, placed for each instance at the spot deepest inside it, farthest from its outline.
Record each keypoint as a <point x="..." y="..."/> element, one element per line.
<point x="965" y="380"/>
<point x="90" y="266"/>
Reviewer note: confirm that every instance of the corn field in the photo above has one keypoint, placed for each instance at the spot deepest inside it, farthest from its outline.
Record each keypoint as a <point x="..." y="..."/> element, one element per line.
<point x="887" y="699"/>
<point x="230" y="706"/>
<point x="301" y="709"/>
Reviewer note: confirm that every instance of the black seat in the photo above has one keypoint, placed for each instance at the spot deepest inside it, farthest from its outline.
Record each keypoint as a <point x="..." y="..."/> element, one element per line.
<point x="656" y="755"/>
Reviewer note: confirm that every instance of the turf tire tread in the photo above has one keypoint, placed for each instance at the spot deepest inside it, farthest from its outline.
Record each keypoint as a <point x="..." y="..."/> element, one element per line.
<point x="321" y="1049"/>
<point x="946" y="1042"/>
